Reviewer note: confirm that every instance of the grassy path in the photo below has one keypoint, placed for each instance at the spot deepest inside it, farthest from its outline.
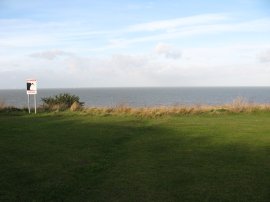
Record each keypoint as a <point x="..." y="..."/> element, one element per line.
<point x="76" y="157"/>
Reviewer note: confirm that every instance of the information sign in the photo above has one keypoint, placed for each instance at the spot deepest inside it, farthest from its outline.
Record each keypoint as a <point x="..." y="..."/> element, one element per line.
<point x="31" y="86"/>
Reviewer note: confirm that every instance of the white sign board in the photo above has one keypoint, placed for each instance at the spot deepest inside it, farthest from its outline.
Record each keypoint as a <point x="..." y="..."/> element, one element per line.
<point x="31" y="86"/>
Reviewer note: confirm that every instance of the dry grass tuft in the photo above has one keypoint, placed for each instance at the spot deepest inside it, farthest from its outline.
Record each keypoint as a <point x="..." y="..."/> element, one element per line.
<point x="75" y="106"/>
<point x="2" y="105"/>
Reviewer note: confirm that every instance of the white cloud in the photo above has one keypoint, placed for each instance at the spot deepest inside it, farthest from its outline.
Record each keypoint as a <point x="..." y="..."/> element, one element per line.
<point x="264" y="56"/>
<point x="206" y="64"/>
<point x="204" y="68"/>
<point x="24" y="41"/>
<point x="32" y="34"/>
<point x="50" y="55"/>
<point x="168" y="51"/>
<point x="171" y="30"/>
<point x="178" y="22"/>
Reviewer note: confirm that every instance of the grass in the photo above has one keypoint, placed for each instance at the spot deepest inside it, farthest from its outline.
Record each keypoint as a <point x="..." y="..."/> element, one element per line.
<point x="83" y="157"/>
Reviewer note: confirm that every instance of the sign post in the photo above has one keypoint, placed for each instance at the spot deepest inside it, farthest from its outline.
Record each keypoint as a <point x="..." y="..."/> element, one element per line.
<point x="31" y="89"/>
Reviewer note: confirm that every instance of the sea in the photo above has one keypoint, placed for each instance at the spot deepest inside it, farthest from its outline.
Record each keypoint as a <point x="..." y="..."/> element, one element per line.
<point x="144" y="96"/>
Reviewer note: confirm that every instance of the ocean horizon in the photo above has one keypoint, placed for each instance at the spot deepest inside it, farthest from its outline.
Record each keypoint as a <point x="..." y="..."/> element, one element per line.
<point x="144" y="96"/>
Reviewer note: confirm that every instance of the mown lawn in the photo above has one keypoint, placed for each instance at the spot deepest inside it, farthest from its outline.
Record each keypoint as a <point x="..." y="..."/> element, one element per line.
<point x="79" y="157"/>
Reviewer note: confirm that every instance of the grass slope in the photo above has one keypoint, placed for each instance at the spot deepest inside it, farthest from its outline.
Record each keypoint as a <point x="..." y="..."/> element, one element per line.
<point x="78" y="157"/>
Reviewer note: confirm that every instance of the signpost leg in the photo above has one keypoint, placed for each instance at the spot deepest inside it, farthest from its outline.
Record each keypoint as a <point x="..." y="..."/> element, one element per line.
<point x="35" y="100"/>
<point x="28" y="96"/>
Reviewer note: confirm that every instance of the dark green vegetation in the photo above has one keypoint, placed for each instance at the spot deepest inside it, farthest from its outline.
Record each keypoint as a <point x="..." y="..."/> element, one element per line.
<point x="79" y="157"/>
<point x="61" y="101"/>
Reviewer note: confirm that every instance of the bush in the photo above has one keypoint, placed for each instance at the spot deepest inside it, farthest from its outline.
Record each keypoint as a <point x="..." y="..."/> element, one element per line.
<point x="61" y="102"/>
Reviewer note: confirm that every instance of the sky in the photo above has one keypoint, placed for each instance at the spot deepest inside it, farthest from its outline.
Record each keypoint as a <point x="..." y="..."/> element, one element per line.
<point x="86" y="43"/>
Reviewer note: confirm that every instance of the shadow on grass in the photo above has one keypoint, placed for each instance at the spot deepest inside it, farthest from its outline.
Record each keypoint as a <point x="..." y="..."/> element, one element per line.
<point x="82" y="158"/>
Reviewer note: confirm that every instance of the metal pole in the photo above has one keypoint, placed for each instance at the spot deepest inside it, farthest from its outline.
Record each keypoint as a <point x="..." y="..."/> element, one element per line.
<point x="28" y="96"/>
<point x="35" y="100"/>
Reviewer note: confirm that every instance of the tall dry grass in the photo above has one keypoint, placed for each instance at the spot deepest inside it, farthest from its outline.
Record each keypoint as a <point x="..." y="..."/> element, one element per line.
<point x="9" y="108"/>
<point x="2" y="104"/>
<point x="239" y="105"/>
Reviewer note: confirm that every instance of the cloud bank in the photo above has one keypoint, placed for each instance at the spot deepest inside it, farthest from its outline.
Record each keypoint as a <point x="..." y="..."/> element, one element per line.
<point x="50" y="55"/>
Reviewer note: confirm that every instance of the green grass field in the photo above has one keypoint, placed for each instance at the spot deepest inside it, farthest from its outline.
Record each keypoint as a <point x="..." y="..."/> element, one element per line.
<point x="80" y="157"/>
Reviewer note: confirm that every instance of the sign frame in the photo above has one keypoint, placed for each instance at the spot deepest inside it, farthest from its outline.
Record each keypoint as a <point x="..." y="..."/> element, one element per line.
<point x="31" y="89"/>
<point x="31" y="86"/>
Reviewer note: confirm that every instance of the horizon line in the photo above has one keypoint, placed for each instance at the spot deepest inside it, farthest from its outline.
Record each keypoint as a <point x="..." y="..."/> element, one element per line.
<point x="48" y="88"/>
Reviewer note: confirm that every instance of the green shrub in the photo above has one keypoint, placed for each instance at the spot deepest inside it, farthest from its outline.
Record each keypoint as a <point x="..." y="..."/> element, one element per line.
<point x="61" y="102"/>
